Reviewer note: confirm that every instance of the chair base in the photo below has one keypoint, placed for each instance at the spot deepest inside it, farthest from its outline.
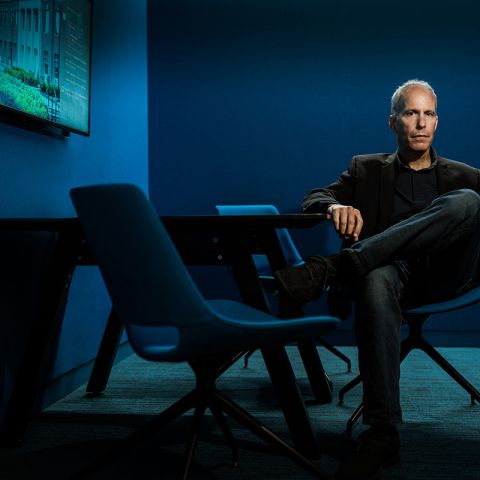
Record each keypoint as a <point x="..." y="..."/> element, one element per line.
<point x="328" y="346"/>
<point x="204" y="396"/>
<point x="415" y="340"/>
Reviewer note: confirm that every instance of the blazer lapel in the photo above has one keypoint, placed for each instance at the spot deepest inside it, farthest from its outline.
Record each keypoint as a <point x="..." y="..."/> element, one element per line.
<point x="387" y="185"/>
<point x="445" y="181"/>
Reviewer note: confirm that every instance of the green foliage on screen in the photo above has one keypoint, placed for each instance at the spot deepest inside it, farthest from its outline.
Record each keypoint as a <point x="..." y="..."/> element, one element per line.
<point x="25" y="97"/>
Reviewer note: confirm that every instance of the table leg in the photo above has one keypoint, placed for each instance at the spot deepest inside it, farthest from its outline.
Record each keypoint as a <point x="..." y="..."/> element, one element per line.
<point x="318" y="379"/>
<point x="278" y="364"/>
<point x="105" y="355"/>
<point x="291" y="401"/>
<point x="34" y="364"/>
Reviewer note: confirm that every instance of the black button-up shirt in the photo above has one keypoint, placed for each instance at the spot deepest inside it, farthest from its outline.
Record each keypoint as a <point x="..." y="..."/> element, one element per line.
<point x="414" y="190"/>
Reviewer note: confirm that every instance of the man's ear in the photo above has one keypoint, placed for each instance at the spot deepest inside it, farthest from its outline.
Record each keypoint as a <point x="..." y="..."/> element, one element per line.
<point x="392" y="120"/>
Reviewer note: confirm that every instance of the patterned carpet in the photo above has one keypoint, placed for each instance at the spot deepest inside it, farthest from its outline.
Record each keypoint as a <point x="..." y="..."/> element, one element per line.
<point x="440" y="434"/>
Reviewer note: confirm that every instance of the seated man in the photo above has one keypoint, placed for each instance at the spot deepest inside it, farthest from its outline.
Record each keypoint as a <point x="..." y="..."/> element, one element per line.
<point x="411" y="227"/>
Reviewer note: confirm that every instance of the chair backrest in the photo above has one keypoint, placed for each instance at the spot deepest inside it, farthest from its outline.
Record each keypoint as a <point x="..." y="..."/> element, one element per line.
<point x="144" y="274"/>
<point x="289" y="250"/>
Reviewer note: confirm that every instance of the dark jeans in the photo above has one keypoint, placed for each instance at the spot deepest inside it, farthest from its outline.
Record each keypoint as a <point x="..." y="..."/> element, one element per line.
<point x="431" y="256"/>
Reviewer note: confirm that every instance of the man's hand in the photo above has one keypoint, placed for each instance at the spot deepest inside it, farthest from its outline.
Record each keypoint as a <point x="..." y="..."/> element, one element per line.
<point x="347" y="220"/>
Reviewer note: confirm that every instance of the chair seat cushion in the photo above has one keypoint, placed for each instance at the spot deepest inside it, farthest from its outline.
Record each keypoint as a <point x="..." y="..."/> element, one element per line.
<point x="469" y="298"/>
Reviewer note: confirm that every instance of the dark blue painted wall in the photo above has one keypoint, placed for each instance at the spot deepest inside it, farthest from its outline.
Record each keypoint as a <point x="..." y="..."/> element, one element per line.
<point x="37" y="172"/>
<point x="259" y="101"/>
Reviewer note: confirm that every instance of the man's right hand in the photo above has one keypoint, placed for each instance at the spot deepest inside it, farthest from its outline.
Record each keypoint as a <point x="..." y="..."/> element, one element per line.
<point x="347" y="220"/>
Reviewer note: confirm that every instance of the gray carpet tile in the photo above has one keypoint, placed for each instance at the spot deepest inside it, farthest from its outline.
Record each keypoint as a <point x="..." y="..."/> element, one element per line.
<point x="440" y="434"/>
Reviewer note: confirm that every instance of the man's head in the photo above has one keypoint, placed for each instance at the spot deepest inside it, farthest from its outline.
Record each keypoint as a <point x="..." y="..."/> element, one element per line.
<point x="413" y="117"/>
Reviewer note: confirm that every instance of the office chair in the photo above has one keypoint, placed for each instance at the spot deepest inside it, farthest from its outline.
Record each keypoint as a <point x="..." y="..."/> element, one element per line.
<point x="415" y="319"/>
<point x="292" y="257"/>
<point x="168" y="320"/>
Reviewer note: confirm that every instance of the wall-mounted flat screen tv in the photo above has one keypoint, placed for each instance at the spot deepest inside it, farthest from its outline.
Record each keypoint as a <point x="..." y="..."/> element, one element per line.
<point x="45" y="50"/>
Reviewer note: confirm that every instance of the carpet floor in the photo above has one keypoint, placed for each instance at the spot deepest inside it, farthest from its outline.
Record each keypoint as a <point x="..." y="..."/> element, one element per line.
<point x="440" y="434"/>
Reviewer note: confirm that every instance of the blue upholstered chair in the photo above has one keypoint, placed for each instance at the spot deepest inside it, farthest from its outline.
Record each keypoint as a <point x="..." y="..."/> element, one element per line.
<point x="415" y="318"/>
<point x="168" y="320"/>
<point x="290" y="253"/>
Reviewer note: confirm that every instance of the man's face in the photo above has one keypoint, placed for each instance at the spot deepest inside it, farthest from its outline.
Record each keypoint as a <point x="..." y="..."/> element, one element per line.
<point x="416" y="123"/>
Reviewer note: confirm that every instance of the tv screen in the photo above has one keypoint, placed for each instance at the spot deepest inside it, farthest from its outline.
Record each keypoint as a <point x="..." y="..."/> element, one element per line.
<point x="45" y="61"/>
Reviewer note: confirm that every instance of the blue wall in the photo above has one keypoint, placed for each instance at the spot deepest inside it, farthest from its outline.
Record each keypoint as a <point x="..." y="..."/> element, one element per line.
<point x="37" y="172"/>
<point x="259" y="101"/>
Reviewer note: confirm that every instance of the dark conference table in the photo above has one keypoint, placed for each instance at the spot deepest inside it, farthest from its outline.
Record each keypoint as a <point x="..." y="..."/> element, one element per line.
<point x="201" y="240"/>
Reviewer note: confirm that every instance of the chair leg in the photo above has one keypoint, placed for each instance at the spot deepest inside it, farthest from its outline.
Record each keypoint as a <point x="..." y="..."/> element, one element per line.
<point x="260" y="430"/>
<point x="181" y="406"/>
<point x="193" y="438"/>
<point x="247" y="357"/>
<point x="407" y="346"/>
<point x="351" y="384"/>
<point x="450" y="369"/>
<point x="336" y="352"/>
<point x="227" y="433"/>
<point x="353" y="419"/>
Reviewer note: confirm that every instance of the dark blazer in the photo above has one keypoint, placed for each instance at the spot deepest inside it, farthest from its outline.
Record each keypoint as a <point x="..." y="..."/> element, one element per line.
<point x="369" y="183"/>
